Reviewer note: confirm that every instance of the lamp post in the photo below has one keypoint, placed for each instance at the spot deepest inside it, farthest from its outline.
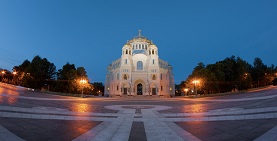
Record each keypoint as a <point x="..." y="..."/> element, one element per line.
<point x="195" y="84"/>
<point x="14" y="73"/>
<point x="186" y="91"/>
<point x="3" y="72"/>
<point x="83" y="81"/>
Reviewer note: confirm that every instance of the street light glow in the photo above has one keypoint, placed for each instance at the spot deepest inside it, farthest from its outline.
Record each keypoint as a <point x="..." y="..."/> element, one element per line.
<point x="195" y="81"/>
<point x="186" y="89"/>
<point x="83" y="81"/>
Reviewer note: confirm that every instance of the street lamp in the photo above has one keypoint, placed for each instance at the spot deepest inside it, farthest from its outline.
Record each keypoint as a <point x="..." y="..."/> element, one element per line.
<point x="83" y="81"/>
<point x="13" y="80"/>
<point x="186" y="91"/>
<point x="195" y="82"/>
<point x="14" y="73"/>
<point x="3" y="72"/>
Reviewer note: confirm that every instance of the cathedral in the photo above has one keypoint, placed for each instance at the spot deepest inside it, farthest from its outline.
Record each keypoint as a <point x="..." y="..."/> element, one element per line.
<point x="139" y="71"/>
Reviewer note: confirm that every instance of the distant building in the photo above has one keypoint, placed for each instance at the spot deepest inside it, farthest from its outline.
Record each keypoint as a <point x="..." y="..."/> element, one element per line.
<point x="139" y="71"/>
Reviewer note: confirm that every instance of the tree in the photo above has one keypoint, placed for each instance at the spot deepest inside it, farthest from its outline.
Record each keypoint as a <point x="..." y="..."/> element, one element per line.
<point x="258" y="72"/>
<point x="40" y="73"/>
<point x="274" y="82"/>
<point x="21" y="72"/>
<point x="205" y="78"/>
<point x="229" y="65"/>
<point x="81" y="72"/>
<point x="66" y="77"/>
<point x="98" y="88"/>
<point x="227" y="75"/>
<point x="6" y="77"/>
<point x="82" y="75"/>
<point x="242" y="75"/>
<point x="40" y="70"/>
<point x="271" y="74"/>
<point x="69" y="80"/>
<point x="36" y="73"/>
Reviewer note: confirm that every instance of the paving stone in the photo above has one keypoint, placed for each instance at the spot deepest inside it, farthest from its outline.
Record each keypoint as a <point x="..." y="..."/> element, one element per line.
<point x="241" y="130"/>
<point x="50" y="130"/>
<point x="67" y="118"/>
<point x="137" y="132"/>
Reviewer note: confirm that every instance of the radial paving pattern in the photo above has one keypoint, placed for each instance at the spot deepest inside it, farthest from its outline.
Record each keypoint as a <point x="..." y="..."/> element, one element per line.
<point x="30" y="115"/>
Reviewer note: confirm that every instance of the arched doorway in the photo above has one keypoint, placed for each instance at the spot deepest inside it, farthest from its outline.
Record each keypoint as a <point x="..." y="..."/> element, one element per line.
<point x="139" y="89"/>
<point x="154" y="89"/>
<point x="125" y="89"/>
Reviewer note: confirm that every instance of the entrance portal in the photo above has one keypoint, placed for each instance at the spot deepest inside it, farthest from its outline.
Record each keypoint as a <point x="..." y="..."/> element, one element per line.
<point x="139" y="89"/>
<point x="154" y="91"/>
<point x="125" y="91"/>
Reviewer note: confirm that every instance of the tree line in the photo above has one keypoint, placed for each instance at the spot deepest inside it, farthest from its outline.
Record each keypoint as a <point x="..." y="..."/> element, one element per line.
<point x="42" y="74"/>
<point x="230" y="74"/>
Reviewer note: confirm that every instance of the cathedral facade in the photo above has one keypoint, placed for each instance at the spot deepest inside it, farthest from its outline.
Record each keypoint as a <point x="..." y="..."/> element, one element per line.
<point x="139" y="71"/>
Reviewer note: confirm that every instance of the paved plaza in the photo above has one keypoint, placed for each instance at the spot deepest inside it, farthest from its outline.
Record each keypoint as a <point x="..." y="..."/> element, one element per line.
<point x="35" y="116"/>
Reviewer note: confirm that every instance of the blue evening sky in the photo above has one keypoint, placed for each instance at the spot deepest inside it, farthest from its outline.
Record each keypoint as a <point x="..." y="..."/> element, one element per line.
<point x="91" y="33"/>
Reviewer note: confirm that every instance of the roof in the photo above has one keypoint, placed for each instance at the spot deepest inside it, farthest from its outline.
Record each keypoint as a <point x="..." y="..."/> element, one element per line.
<point x="139" y="38"/>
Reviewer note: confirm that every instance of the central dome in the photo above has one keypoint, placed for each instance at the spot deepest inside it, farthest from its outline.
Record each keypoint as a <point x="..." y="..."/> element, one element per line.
<point x="139" y="45"/>
<point x="139" y="38"/>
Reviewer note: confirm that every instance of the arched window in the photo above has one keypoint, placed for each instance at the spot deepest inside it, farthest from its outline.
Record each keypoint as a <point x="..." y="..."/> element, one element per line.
<point x="130" y="52"/>
<point x="142" y="46"/>
<point x="136" y="46"/>
<point x="153" y="61"/>
<point x="126" y="61"/>
<point x="153" y="51"/>
<point x="126" y="51"/>
<point x="149" y="52"/>
<point x="139" y="65"/>
<point x="139" y="46"/>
